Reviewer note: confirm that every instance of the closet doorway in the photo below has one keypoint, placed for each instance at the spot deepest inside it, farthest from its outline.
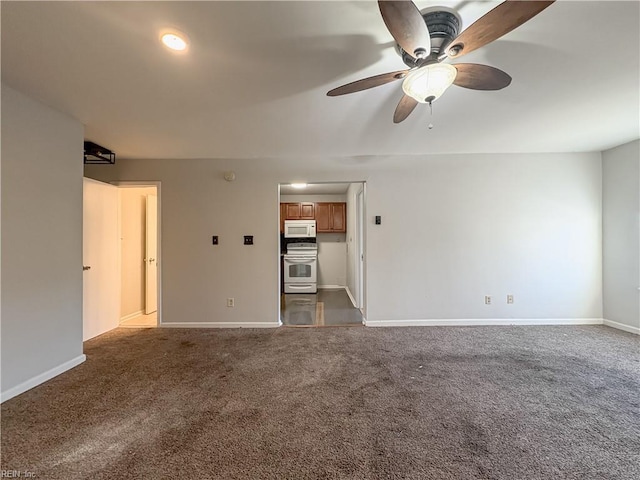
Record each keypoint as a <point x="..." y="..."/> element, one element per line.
<point x="139" y="255"/>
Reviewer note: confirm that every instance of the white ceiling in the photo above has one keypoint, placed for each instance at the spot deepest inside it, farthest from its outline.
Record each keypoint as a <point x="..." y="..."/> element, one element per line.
<point x="254" y="81"/>
<point x="316" y="189"/>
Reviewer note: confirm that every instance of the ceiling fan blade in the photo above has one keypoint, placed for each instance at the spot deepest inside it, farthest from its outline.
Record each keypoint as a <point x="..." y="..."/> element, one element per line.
<point x="366" y="83"/>
<point x="404" y="108"/>
<point x="480" y="77"/>
<point x="407" y="27"/>
<point x="493" y="25"/>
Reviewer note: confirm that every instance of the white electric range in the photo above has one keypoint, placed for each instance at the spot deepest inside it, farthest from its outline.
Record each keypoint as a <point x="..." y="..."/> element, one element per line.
<point x="301" y="268"/>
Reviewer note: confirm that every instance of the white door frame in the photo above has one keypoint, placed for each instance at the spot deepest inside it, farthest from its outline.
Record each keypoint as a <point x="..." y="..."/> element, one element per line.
<point x="157" y="184"/>
<point x="360" y="248"/>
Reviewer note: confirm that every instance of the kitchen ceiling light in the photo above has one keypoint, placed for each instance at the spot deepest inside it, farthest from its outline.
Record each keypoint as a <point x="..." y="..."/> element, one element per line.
<point x="299" y="185"/>
<point x="174" y="41"/>
<point x="426" y="84"/>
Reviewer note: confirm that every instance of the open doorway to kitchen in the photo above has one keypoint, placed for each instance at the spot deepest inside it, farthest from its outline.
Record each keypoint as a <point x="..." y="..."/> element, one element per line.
<point x="139" y="255"/>
<point x="322" y="254"/>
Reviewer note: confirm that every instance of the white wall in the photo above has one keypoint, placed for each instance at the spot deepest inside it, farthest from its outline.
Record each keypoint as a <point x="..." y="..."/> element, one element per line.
<point x="455" y="228"/>
<point x="133" y="247"/>
<point x="332" y="260"/>
<point x="41" y="242"/>
<point x="621" y="235"/>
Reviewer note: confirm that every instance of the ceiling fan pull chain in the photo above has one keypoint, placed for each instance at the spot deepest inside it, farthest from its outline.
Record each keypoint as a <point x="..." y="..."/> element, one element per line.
<point x="430" y="114"/>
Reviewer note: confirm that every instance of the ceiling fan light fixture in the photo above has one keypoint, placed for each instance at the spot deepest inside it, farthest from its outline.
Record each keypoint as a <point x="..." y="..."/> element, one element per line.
<point x="428" y="83"/>
<point x="174" y="40"/>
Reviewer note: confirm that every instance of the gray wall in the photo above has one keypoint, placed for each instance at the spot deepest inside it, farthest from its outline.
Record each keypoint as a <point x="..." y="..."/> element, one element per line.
<point x="41" y="241"/>
<point x="621" y="234"/>
<point x="457" y="228"/>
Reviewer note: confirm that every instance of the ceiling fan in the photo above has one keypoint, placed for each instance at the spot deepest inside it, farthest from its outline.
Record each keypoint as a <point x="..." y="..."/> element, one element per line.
<point x="426" y="39"/>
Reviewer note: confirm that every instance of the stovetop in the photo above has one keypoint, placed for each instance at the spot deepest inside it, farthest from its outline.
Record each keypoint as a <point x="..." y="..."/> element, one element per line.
<point x="301" y="248"/>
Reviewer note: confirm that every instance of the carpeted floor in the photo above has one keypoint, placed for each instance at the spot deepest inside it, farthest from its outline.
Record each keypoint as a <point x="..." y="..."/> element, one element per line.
<point x="337" y="403"/>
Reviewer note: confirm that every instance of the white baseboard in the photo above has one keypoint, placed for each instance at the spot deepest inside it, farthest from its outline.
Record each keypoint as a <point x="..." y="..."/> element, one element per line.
<point x="220" y="324"/>
<point x="333" y="287"/>
<point x="43" y="377"/>
<point x="470" y="322"/>
<point x="353" y="300"/>
<point x="622" y="326"/>
<point x="131" y="315"/>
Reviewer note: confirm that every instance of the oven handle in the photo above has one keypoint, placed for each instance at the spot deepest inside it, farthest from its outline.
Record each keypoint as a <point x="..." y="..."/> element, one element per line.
<point x="300" y="259"/>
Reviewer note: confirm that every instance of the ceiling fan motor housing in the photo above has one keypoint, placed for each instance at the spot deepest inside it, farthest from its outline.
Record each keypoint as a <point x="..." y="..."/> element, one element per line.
<point x="443" y="24"/>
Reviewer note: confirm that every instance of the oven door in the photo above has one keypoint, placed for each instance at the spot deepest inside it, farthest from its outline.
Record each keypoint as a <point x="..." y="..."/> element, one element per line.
<point x="299" y="269"/>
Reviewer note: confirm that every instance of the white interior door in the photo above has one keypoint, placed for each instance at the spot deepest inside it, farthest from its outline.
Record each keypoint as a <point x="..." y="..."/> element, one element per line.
<point x="151" y="256"/>
<point x="101" y="259"/>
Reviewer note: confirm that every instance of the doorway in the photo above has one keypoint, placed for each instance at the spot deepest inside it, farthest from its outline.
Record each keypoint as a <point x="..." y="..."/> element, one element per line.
<point x="138" y="207"/>
<point x="338" y="210"/>
<point x="121" y="252"/>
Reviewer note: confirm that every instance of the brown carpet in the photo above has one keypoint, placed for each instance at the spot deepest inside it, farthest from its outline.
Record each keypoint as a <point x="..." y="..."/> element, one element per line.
<point x="344" y="403"/>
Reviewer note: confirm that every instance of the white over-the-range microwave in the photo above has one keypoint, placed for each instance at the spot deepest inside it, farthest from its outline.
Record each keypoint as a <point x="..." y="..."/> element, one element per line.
<point x="299" y="229"/>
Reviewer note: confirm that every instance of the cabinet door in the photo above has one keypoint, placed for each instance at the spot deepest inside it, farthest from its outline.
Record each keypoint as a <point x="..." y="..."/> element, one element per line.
<point x="292" y="211"/>
<point x="338" y="217"/>
<point x="323" y="217"/>
<point x="283" y="215"/>
<point x="307" y="211"/>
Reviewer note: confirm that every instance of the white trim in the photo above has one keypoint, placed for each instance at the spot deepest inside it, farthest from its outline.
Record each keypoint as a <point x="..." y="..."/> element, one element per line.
<point x="622" y="326"/>
<point x="131" y="315"/>
<point x="338" y="287"/>
<point x="220" y="324"/>
<point x="469" y="322"/>
<point x="41" y="378"/>
<point x="353" y="300"/>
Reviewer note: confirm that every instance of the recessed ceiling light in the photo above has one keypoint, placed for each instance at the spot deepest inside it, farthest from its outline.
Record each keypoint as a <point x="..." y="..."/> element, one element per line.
<point x="175" y="41"/>
<point x="299" y="185"/>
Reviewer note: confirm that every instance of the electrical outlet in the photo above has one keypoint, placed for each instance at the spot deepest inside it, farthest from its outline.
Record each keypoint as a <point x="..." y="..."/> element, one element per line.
<point x="487" y="299"/>
<point x="509" y="299"/>
<point x="231" y="302"/>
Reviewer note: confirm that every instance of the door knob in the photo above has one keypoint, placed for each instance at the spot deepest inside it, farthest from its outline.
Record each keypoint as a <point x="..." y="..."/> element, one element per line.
<point x="85" y="268"/>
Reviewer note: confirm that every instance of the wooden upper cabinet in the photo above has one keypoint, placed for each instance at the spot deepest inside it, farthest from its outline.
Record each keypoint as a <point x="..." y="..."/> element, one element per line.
<point x="298" y="210"/>
<point x="307" y="211"/>
<point x="323" y="217"/>
<point x="292" y="211"/>
<point x="338" y="217"/>
<point x="331" y="217"/>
